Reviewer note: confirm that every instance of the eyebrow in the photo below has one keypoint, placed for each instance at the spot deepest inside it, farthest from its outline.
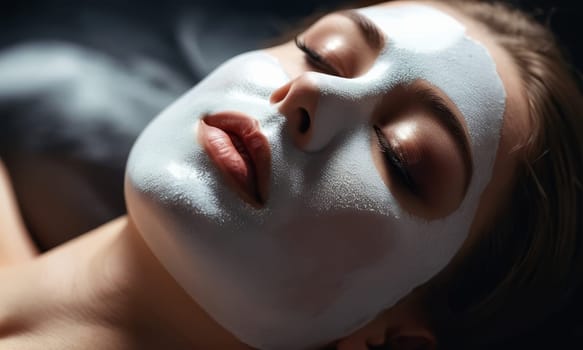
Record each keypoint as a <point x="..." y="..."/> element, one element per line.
<point x="439" y="106"/>
<point x="371" y="32"/>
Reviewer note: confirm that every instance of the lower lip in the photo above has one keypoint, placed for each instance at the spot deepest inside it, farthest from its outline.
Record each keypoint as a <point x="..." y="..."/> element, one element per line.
<point x="240" y="151"/>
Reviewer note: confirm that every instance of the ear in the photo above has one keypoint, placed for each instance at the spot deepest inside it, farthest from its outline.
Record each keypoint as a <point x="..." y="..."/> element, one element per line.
<point x="372" y="334"/>
<point x="416" y="338"/>
<point x="402" y="327"/>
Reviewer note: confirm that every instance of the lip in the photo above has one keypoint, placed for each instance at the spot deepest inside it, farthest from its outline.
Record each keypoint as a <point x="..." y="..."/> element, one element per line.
<point x="240" y="151"/>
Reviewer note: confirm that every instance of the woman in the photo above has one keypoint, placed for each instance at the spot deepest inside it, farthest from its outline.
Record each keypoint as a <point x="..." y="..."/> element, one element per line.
<point x="343" y="189"/>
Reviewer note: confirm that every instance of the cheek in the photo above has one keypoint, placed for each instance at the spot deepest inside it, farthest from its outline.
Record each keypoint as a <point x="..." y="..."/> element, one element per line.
<point x="327" y="250"/>
<point x="340" y="241"/>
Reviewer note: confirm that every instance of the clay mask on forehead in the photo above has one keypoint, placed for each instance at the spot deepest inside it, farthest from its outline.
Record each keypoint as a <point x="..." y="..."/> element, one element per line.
<point x="332" y="246"/>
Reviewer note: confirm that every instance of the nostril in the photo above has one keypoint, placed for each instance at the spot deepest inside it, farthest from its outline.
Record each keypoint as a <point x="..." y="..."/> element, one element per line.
<point x="304" y="121"/>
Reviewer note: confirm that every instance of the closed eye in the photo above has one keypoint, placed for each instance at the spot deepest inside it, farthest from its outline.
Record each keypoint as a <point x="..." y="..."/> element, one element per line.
<point x="315" y="59"/>
<point x="397" y="165"/>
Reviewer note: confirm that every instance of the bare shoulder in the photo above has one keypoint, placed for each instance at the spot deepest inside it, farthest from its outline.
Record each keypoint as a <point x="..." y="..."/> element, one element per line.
<point x="44" y="303"/>
<point x="68" y="336"/>
<point x="74" y="336"/>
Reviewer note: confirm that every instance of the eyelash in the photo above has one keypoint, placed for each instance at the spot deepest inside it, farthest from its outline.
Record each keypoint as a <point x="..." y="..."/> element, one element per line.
<point x="396" y="161"/>
<point x="314" y="58"/>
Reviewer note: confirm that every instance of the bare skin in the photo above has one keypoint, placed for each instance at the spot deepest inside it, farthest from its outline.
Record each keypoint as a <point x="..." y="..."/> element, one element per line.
<point x="15" y="243"/>
<point x="105" y="289"/>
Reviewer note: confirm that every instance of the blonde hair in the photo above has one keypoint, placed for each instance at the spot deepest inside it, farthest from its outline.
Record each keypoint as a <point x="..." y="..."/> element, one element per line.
<point x="527" y="265"/>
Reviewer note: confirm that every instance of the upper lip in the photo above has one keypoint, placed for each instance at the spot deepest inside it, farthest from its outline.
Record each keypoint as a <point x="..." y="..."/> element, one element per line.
<point x="236" y="145"/>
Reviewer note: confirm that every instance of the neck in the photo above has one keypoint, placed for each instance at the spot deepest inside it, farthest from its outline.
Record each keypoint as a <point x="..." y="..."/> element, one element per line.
<point x="111" y="276"/>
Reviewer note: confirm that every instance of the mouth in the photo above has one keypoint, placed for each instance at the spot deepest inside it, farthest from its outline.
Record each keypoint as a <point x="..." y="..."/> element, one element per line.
<point x="240" y="151"/>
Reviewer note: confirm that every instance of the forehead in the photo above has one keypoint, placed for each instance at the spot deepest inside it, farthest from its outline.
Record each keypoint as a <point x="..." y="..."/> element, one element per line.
<point x="517" y="124"/>
<point x="416" y="27"/>
<point x="425" y="43"/>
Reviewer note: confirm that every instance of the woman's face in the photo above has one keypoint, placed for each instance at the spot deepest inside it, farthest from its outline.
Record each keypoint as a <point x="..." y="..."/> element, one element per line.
<point x="297" y="192"/>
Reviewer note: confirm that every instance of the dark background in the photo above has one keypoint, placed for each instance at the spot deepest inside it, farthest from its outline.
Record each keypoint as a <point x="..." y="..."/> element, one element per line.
<point x="563" y="16"/>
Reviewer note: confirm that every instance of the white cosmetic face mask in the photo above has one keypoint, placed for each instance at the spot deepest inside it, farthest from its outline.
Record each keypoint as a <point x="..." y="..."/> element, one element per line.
<point x="332" y="247"/>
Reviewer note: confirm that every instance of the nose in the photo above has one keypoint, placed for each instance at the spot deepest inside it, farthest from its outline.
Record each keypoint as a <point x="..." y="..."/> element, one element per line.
<point x="300" y="101"/>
